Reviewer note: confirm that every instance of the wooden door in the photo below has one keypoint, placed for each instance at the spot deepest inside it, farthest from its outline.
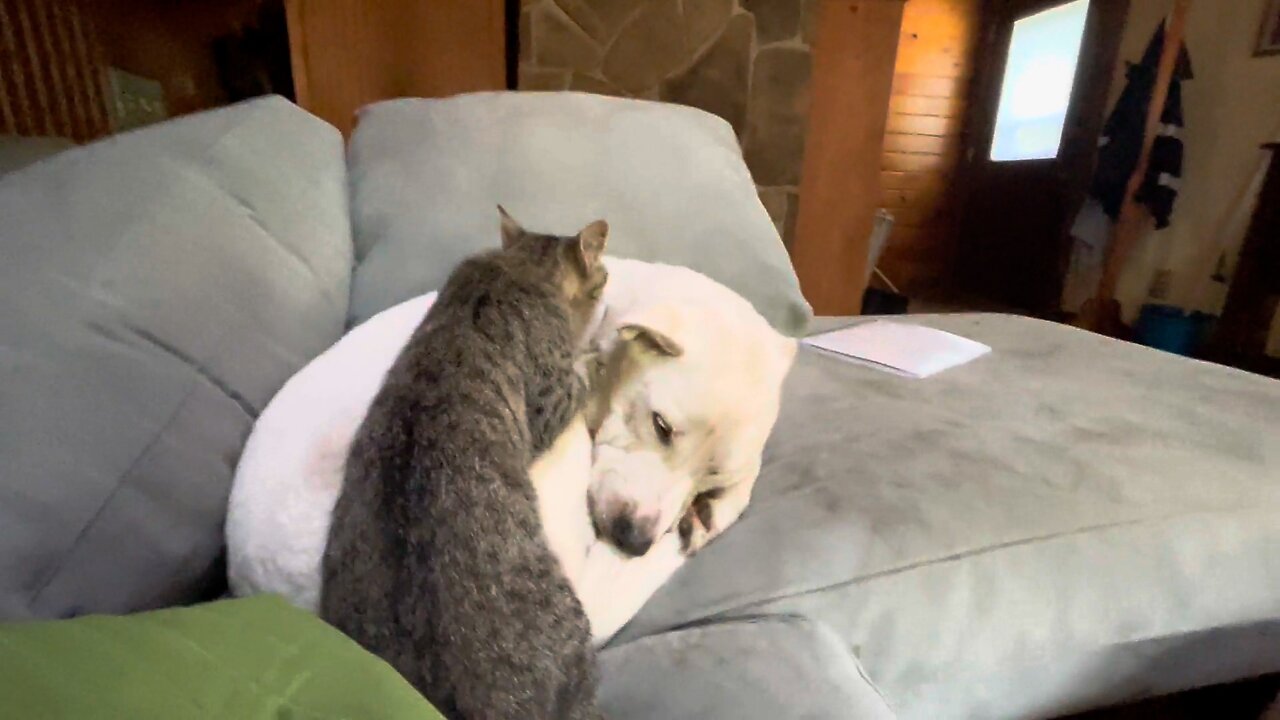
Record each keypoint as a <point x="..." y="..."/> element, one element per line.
<point x="348" y="53"/>
<point x="1020" y="194"/>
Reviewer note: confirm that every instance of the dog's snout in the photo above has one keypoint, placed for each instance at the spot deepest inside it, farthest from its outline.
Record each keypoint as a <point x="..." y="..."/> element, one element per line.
<point x="631" y="537"/>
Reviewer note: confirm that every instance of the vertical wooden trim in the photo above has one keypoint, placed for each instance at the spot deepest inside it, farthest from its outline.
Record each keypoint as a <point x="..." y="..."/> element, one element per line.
<point x="41" y="122"/>
<point x="90" y="57"/>
<point x="74" y="95"/>
<point x="59" y="89"/>
<point x="17" y="87"/>
<point x="854" y="57"/>
<point x="9" y="88"/>
<point x="295" y="19"/>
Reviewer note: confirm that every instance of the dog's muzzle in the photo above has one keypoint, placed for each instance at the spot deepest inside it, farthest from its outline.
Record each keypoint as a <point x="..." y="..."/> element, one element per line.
<point x="619" y="527"/>
<point x="631" y="537"/>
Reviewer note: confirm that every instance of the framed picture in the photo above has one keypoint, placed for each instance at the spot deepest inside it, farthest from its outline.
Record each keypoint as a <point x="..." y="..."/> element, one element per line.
<point x="1269" y="37"/>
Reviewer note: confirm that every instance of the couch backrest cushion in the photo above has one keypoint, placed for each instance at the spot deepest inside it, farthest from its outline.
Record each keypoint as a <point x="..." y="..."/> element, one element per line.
<point x="157" y="288"/>
<point x="426" y="175"/>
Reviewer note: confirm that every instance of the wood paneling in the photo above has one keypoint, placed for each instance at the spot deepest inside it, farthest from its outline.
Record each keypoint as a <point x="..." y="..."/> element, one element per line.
<point x="906" y="124"/>
<point x="923" y="144"/>
<point x="913" y="85"/>
<point x="924" y="138"/>
<point x="919" y="162"/>
<point x="347" y="53"/>
<point x="890" y="179"/>
<point x="952" y="106"/>
<point x="854" y="53"/>
<point x="51" y="71"/>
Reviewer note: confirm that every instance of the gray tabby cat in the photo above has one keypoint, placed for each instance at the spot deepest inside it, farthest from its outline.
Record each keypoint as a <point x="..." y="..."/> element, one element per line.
<point x="437" y="560"/>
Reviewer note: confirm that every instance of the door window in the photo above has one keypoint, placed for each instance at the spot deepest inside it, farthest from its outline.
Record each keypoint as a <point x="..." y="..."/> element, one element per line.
<point x="1040" y="70"/>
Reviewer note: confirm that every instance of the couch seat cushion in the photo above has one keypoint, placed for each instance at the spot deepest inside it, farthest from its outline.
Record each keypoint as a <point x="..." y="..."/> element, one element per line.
<point x="1067" y="522"/>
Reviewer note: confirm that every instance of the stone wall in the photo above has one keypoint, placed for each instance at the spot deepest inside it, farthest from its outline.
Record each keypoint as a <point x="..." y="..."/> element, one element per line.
<point x="748" y="61"/>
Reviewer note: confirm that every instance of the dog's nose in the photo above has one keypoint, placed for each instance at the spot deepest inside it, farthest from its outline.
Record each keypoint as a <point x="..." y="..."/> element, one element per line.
<point x="629" y="536"/>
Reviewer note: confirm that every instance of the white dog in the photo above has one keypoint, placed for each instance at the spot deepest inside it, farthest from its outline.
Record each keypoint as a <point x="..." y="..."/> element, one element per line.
<point x="686" y="389"/>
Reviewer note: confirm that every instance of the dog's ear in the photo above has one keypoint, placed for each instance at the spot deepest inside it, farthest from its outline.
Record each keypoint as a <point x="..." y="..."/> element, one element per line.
<point x="591" y="242"/>
<point x="650" y="339"/>
<point x="511" y="230"/>
<point x="653" y="329"/>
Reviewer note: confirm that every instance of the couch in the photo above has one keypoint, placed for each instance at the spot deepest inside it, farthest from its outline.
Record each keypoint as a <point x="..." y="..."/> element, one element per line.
<point x="1066" y="523"/>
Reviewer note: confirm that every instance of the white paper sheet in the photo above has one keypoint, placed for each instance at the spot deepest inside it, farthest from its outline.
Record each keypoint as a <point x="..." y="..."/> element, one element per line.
<point x="900" y="348"/>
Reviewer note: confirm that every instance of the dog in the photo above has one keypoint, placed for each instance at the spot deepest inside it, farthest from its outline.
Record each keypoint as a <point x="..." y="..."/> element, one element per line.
<point x="690" y="383"/>
<point x="685" y="383"/>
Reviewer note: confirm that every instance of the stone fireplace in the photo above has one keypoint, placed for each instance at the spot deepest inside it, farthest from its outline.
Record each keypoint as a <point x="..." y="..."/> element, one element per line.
<point x="747" y="61"/>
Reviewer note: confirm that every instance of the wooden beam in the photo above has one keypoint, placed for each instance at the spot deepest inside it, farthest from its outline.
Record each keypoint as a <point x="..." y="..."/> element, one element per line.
<point x="854" y="55"/>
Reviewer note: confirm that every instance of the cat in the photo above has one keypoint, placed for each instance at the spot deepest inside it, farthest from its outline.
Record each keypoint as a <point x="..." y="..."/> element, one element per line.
<point x="437" y="559"/>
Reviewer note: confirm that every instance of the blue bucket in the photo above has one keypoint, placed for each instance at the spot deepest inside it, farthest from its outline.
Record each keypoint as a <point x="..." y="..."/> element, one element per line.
<point x="1172" y="329"/>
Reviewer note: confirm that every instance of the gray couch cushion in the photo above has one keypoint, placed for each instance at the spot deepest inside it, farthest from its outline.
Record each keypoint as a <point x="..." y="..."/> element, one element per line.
<point x="157" y="287"/>
<point x="1068" y="522"/>
<point x="766" y="668"/>
<point x="426" y="174"/>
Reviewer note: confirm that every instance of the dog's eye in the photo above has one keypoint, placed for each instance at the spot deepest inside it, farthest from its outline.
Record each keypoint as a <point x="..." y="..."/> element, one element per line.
<point x="662" y="428"/>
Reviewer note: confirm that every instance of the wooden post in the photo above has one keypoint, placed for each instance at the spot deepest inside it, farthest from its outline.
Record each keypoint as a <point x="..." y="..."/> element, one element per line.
<point x="1102" y="313"/>
<point x="854" y="56"/>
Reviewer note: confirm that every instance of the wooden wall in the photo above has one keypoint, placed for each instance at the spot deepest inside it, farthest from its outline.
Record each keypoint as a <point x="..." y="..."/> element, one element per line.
<point x="51" y="71"/>
<point x="924" y="137"/>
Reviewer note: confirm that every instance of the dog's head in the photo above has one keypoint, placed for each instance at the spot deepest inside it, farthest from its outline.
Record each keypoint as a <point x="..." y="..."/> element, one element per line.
<point x="685" y="395"/>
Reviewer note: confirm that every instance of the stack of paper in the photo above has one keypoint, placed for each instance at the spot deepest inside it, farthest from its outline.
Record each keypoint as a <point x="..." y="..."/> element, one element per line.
<point x="909" y="350"/>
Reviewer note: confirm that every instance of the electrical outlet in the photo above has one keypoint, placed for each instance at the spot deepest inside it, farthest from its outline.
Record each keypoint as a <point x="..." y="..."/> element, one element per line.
<point x="134" y="100"/>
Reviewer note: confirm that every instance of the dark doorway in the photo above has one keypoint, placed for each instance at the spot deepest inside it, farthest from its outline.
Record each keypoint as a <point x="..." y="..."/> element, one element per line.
<point x="1039" y="97"/>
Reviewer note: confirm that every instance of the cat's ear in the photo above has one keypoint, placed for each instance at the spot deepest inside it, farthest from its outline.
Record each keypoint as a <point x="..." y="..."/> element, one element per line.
<point x="591" y="242"/>
<point x="511" y="230"/>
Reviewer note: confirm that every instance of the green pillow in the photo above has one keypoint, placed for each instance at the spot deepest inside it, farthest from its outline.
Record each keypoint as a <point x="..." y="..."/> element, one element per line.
<point x="253" y="659"/>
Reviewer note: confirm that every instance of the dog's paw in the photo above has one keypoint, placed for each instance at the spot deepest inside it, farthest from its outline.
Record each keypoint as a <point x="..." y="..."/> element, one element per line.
<point x="697" y="527"/>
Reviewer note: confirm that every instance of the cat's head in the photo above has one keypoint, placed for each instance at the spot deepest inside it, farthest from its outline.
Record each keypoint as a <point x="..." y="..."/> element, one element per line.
<point x="574" y="259"/>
